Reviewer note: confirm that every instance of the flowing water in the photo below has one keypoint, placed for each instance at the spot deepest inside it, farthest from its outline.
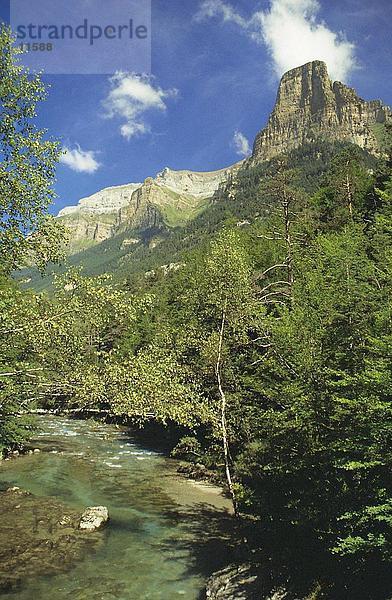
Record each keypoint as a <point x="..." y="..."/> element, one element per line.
<point x="165" y="533"/>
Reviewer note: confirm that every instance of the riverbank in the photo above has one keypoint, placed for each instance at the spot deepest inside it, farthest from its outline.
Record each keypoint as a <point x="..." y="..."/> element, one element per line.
<point x="169" y="534"/>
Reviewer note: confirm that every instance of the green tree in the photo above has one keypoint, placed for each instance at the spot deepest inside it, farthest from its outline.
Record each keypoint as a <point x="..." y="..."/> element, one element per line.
<point x="220" y="312"/>
<point x="344" y="197"/>
<point x="319" y="457"/>
<point x="27" y="167"/>
<point x="27" y="171"/>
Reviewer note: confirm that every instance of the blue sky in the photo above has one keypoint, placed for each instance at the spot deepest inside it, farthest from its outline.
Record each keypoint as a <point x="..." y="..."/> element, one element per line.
<point x="215" y="67"/>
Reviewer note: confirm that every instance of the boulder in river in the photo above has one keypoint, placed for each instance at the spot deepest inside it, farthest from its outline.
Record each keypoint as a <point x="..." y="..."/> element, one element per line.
<point x="93" y="518"/>
<point x="17" y="490"/>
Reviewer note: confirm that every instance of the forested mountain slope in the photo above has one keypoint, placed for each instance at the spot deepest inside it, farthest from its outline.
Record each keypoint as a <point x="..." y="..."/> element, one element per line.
<point x="135" y="251"/>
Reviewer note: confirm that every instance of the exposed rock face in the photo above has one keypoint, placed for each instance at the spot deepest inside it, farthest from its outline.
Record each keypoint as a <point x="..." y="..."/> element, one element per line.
<point x="142" y="211"/>
<point x="310" y="106"/>
<point x="200" y="185"/>
<point x="93" y="518"/>
<point x="84" y="231"/>
<point x="235" y="582"/>
<point x="96" y="218"/>
<point x="130" y="242"/>
<point x="107" y="201"/>
<point x="248" y="582"/>
<point x="171" y="199"/>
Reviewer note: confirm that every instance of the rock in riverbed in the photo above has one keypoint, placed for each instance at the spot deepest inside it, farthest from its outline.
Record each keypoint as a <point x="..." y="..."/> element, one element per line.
<point x="93" y="518"/>
<point x="235" y="582"/>
<point x="245" y="582"/>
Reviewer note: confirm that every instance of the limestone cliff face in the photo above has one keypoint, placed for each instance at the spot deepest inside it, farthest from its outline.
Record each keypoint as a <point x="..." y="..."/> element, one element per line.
<point x="173" y="198"/>
<point x="108" y="200"/>
<point x="197" y="184"/>
<point x="85" y="231"/>
<point x="142" y="212"/>
<point x="170" y="199"/>
<point x="96" y="218"/>
<point x="310" y="106"/>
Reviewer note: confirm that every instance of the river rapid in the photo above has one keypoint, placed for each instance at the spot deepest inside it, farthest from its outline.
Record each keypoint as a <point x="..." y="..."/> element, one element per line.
<point x="165" y="535"/>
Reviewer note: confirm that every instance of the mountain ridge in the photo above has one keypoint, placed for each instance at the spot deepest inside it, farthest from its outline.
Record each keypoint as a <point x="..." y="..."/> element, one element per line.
<point x="309" y="107"/>
<point x="170" y="199"/>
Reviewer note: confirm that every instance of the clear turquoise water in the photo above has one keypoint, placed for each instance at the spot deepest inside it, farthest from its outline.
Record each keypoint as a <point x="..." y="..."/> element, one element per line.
<point x="164" y="535"/>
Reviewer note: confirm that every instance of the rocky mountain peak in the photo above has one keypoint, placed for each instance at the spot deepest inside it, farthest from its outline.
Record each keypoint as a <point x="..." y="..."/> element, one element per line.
<point x="308" y="87"/>
<point x="310" y="106"/>
<point x="108" y="200"/>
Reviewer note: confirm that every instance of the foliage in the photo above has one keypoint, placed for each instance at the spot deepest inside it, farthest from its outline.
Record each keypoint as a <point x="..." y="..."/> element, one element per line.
<point x="27" y="167"/>
<point x="27" y="233"/>
<point x="305" y="363"/>
<point x="188" y="448"/>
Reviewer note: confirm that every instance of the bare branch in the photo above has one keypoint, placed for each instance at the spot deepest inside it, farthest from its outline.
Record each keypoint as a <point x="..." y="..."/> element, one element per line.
<point x="274" y="283"/>
<point x="264" y="273"/>
<point x="23" y="372"/>
<point x="279" y="293"/>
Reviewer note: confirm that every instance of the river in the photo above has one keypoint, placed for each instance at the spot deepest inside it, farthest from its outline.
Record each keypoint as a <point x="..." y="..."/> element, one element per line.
<point x="165" y="534"/>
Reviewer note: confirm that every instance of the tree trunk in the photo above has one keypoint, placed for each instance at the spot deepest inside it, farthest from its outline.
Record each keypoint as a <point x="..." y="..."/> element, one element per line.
<point x="349" y="192"/>
<point x="287" y="236"/>
<point x="225" y="443"/>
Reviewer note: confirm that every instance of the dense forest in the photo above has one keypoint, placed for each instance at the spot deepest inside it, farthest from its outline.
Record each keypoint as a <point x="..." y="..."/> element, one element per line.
<point x="268" y="347"/>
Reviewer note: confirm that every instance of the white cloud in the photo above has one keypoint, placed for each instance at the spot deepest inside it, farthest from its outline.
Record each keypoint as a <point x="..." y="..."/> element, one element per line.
<point x="294" y="37"/>
<point x="241" y="144"/>
<point x="218" y="8"/>
<point x="292" y="33"/>
<point x="130" y="97"/>
<point x="81" y="161"/>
